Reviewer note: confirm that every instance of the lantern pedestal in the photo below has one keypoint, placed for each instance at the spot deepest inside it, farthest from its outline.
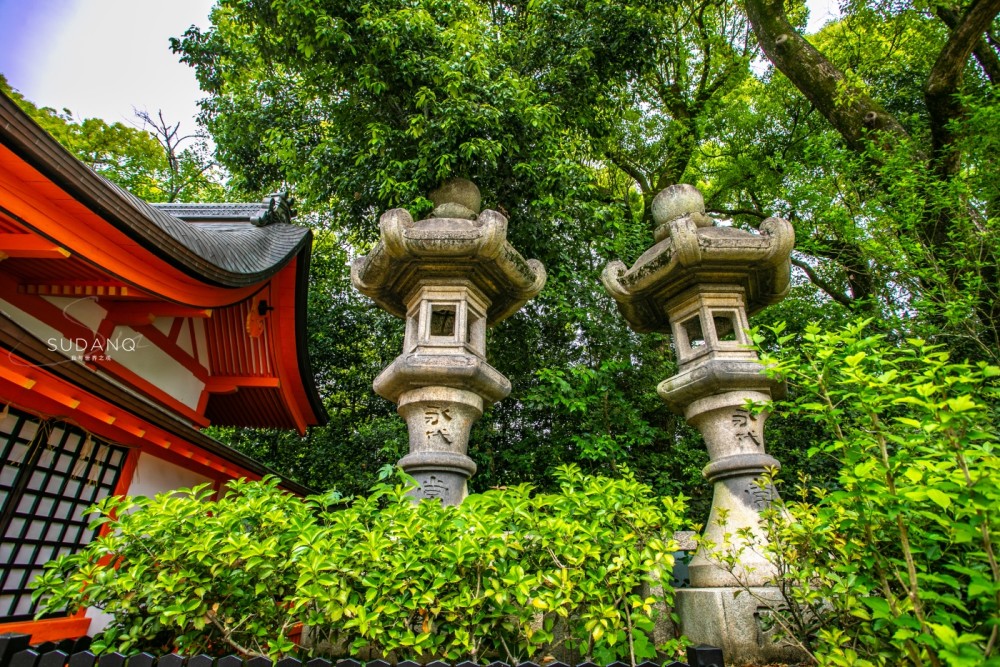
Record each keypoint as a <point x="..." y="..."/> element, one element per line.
<point x="450" y="277"/>
<point x="740" y="622"/>
<point x="699" y="283"/>
<point x="439" y="420"/>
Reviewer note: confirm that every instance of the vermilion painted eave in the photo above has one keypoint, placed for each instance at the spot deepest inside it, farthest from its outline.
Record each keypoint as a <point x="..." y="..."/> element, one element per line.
<point x="289" y="344"/>
<point x="160" y="235"/>
<point x="50" y="630"/>
<point x="41" y="206"/>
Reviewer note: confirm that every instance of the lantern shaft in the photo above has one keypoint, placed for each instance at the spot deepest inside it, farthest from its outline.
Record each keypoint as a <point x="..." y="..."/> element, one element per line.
<point x="450" y="277"/>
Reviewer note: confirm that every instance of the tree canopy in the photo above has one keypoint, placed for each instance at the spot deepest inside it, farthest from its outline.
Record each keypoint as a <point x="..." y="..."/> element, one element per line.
<point x="152" y="161"/>
<point x="876" y="137"/>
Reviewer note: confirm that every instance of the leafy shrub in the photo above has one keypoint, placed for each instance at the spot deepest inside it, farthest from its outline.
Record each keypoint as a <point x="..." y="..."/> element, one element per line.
<point x="182" y="570"/>
<point x="897" y="565"/>
<point x="506" y="574"/>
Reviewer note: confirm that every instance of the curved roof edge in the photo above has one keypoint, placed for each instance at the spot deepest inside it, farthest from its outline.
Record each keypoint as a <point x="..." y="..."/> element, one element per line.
<point x="302" y="337"/>
<point x="230" y="258"/>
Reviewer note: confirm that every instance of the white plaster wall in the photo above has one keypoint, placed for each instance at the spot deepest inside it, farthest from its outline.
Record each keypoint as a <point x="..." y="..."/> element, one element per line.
<point x="125" y="346"/>
<point x="152" y="476"/>
<point x="37" y="328"/>
<point x="84" y="310"/>
<point x="201" y="338"/>
<point x="152" y="364"/>
<point x="163" y="324"/>
<point x="184" y="337"/>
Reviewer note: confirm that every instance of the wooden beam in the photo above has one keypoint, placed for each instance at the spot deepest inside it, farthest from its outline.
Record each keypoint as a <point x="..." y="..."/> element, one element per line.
<point x="30" y="246"/>
<point x="52" y="629"/>
<point x="139" y="313"/>
<point x="229" y="384"/>
<point x="19" y="379"/>
<point x="283" y="326"/>
<point x="48" y="390"/>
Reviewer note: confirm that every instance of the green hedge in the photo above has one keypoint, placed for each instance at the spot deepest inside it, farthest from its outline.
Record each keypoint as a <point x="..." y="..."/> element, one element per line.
<point x="508" y="574"/>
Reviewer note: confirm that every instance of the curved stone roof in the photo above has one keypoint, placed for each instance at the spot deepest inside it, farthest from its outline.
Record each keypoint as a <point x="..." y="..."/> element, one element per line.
<point x="443" y="248"/>
<point x="690" y="251"/>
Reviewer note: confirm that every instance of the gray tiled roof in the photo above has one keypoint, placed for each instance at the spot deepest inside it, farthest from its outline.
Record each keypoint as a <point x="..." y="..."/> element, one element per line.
<point x="232" y="244"/>
<point x="226" y="212"/>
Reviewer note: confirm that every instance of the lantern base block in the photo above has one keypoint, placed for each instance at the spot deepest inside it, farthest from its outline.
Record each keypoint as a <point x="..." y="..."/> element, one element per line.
<point x="737" y="620"/>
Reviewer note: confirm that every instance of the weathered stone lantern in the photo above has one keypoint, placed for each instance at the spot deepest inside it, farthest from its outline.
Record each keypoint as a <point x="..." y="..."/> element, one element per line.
<point x="450" y="277"/>
<point x="699" y="282"/>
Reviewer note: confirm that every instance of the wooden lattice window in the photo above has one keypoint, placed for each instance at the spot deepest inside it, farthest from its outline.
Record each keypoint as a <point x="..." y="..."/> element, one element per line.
<point x="52" y="472"/>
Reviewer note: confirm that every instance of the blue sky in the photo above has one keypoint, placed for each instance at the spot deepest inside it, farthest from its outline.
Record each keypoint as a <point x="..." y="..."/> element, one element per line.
<point x="103" y="57"/>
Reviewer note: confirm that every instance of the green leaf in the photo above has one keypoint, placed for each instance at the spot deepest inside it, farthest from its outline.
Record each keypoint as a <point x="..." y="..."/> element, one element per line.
<point x="940" y="498"/>
<point x="961" y="403"/>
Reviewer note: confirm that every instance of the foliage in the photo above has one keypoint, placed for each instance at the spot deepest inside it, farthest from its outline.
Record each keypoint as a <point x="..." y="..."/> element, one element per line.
<point x="507" y="574"/>
<point x="898" y="564"/>
<point x="604" y="423"/>
<point x="135" y="159"/>
<point x="570" y="116"/>
<point x="870" y="147"/>
<point x="184" y="571"/>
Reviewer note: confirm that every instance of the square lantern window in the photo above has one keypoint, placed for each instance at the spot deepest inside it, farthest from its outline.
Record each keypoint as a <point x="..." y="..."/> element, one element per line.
<point x="709" y="321"/>
<point x="689" y="338"/>
<point x="693" y="333"/>
<point x="446" y="319"/>
<point x="475" y="331"/>
<point x="727" y="328"/>
<point x="441" y="321"/>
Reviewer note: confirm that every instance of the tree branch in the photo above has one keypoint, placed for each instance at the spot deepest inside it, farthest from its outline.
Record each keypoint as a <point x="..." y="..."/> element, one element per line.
<point x="227" y="635"/>
<point x="946" y="77"/>
<point x="824" y="285"/>
<point x="629" y="168"/>
<point x="851" y="111"/>
<point x="985" y="55"/>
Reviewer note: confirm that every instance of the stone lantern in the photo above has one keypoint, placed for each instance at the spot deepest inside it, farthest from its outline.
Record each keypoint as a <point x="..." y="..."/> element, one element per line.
<point x="450" y="277"/>
<point x="699" y="283"/>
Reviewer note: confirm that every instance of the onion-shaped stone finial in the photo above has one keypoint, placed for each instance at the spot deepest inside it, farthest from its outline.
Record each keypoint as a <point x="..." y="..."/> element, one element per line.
<point x="676" y="202"/>
<point x="456" y="198"/>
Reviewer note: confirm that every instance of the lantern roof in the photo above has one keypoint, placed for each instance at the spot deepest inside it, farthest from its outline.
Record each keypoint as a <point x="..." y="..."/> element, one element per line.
<point x="692" y="251"/>
<point x="457" y="244"/>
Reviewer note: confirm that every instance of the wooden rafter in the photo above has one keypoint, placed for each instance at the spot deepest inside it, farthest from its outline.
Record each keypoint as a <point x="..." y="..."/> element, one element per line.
<point x="138" y="313"/>
<point x="80" y="288"/>
<point x="29" y="246"/>
<point x="230" y="384"/>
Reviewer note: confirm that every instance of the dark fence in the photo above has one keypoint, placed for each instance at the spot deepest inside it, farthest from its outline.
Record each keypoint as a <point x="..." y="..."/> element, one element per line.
<point x="17" y="651"/>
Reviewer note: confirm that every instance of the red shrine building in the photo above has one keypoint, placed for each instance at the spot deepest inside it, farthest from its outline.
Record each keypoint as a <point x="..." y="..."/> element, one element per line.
<point x="125" y="329"/>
